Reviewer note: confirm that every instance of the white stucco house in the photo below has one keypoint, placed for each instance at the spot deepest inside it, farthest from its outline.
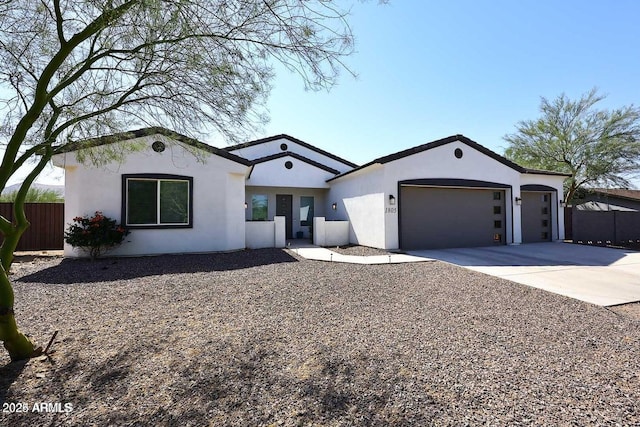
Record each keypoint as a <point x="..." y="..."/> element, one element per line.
<point x="179" y="195"/>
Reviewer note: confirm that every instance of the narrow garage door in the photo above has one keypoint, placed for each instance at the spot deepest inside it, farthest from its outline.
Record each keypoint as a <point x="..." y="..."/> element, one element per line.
<point x="432" y="217"/>
<point x="536" y="216"/>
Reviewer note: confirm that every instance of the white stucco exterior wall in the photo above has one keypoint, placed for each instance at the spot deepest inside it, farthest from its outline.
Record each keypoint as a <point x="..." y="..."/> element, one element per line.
<point x="557" y="212"/>
<point x="301" y="175"/>
<point x="440" y="162"/>
<point x="218" y="197"/>
<point x="273" y="147"/>
<point x="363" y="196"/>
<point x="359" y="200"/>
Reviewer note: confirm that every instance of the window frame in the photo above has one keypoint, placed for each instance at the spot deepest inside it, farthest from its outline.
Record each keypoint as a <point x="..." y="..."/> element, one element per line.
<point x="305" y="222"/>
<point x="158" y="177"/>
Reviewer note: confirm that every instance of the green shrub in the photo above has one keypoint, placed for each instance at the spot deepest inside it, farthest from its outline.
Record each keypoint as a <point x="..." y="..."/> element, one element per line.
<point x="95" y="235"/>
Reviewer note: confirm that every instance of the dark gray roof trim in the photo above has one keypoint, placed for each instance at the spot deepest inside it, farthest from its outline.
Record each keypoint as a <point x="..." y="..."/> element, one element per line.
<point x="449" y="182"/>
<point x="292" y="139"/>
<point x="296" y="156"/>
<point x="536" y="187"/>
<point x="124" y="136"/>
<point x="444" y="141"/>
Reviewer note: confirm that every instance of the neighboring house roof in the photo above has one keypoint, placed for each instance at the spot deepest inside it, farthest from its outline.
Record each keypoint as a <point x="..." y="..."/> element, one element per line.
<point x="292" y="139"/>
<point x="124" y="136"/>
<point x="602" y="207"/>
<point x="622" y="193"/>
<point x="295" y="156"/>
<point x="440" y="142"/>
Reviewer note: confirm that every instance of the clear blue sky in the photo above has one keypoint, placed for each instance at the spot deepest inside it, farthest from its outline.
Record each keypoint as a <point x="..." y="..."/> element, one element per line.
<point x="430" y="69"/>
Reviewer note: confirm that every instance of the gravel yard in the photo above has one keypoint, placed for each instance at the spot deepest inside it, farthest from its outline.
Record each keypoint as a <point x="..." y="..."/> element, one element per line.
<point x="264" y="338"/>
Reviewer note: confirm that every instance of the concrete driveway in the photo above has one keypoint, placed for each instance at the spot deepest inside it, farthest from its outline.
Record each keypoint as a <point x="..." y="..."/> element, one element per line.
<point x="601" y="276"/>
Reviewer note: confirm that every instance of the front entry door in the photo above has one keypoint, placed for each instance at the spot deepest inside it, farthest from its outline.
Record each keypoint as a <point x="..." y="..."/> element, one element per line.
<point x="284" y="207"/>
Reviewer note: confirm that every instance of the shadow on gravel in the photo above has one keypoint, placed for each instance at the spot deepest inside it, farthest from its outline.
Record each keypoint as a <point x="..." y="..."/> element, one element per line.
<point x="71" y="271"/>
<point x="8" y="374"/>
<point x="246" y="384"/>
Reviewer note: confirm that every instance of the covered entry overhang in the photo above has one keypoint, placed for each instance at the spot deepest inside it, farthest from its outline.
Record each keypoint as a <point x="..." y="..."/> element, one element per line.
<point x="450" y="213"/>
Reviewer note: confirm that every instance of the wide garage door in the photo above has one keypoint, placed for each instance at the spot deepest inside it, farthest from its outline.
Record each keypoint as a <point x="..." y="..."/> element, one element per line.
<point x="451" y="217"/>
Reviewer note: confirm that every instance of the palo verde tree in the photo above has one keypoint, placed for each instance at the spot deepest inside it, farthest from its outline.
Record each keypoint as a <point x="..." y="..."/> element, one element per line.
<point x="78" y="69"/>
<point x="598" y="147"/>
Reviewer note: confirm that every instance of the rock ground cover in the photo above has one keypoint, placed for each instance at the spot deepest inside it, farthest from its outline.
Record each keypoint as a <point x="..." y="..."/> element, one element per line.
<point x="265" y="338"/>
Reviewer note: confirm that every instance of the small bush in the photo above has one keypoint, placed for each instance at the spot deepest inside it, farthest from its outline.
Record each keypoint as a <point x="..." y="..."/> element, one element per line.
<point x="95" y="235"/>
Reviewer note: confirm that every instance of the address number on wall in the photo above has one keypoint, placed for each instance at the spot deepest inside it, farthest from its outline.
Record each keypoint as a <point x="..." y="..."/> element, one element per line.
<point x="390" y="210"/>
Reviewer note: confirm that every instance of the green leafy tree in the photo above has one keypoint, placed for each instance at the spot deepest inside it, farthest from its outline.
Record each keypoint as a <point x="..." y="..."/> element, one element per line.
<point x="598" y="147"/>
<point x="84" y="68"/>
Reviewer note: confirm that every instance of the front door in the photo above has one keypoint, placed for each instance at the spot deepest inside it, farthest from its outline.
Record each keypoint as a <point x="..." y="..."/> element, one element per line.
<point x="284" y="207"/>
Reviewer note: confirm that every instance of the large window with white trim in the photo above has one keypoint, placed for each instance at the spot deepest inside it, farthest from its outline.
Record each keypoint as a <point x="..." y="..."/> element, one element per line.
<point x="157" y="201"/>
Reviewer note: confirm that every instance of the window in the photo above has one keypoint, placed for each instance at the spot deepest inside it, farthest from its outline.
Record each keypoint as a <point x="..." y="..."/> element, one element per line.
<point x="306" y="210"/>
<point x="163" y="201"/>
<point x="497" y="224"/>
<point x="497" y="195"/>
<point x="545" y="211"/>
<point x="259" y="207"/>
<point x="497" y="210"/>
<point x="545" y="222"/>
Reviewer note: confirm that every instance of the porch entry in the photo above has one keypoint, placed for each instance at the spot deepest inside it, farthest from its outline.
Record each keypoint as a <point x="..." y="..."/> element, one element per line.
<point x="284" y="207"/>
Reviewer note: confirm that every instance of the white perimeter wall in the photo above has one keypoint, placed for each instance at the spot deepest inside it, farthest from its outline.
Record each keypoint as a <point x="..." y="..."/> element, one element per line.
<point x="330" y="233"/>
<point x="218" y="198"/>
<point x="266" y="234"/>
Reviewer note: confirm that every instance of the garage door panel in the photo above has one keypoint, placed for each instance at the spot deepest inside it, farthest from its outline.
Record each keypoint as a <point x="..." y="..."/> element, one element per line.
<point x="536" y="217"/>
<point x="433" y="218"/>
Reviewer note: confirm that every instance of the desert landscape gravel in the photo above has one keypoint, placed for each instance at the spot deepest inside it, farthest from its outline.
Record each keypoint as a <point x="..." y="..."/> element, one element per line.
<point x="265" y="338"/>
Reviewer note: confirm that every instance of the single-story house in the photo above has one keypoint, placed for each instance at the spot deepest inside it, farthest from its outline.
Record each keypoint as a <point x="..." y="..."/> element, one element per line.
<point x="609" y="199"/>
<point x="179" y="195"/>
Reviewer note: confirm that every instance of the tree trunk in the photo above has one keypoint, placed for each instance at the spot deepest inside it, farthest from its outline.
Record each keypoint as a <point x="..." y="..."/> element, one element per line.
<point x="16" y="343"/>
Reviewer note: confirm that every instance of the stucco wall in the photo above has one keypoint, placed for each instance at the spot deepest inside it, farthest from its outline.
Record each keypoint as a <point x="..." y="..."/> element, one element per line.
<point x="363" y="196"/>
<point x="265" y="234"/>
<point x="440" y="162"/>
<point x="273" y="147"/>
<point x="218" y="198"/>
<point x="330" y="233"/>
<point x="274" y="174"/>
<point x="557" y="212"/>
<point x="359" y="200"/>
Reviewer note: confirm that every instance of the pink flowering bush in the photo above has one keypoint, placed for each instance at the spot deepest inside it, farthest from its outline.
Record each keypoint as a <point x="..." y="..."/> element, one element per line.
<point x="95" y="235"/>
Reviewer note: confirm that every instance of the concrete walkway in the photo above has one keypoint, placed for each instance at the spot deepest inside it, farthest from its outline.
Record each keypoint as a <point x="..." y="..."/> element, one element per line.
<point x="601" y="276"/>
<point x="316" y="253"/>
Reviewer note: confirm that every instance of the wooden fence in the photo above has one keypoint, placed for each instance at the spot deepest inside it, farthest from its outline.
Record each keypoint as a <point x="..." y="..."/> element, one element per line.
<point x="47" y="225"/>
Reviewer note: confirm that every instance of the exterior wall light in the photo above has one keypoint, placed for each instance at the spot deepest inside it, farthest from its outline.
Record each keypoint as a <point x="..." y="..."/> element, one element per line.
<point x="518" y="201"/>
<point x="246" y="205"/>
<point x="334" y="206"/>
<point x="563" y="204"/>
<point x="392" y="200"/>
